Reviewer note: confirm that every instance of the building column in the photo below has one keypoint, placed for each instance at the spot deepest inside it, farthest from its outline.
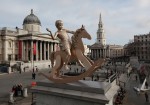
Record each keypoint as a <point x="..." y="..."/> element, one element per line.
<point x="31" y="50"/>
<point x="92" y="53"/>
<point x="27" y="50"/>
<point x="101" y="53"/>
<point x="41" y="51"/>
<point x="110" y="53"/>
<point x="23" y="50"/>
<point x="48" y="50"/>
<point x="5" y="51"/>
<point x="104" y="53"/>
<point x="44" y="50"/>
<point x="13" y="50"/>
<point x="97" y="53"/>
<point x="52" y="47"/>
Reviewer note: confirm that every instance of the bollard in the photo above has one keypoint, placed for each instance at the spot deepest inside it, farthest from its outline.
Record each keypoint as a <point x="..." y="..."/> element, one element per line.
<point x="11" y="97"/>
<point x="9" y="70"/>
<point x="25" y="93"/>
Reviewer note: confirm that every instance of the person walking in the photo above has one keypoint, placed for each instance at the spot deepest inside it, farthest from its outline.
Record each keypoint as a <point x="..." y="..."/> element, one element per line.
<point x="146" y="97"/>
<point x="146" y="84"/>
<point x="136" y="78"/>
<point x="33" y="75"/>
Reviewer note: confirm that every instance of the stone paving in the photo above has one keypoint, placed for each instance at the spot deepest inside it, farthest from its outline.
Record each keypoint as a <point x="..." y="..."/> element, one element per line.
<point x="131" y="97"/>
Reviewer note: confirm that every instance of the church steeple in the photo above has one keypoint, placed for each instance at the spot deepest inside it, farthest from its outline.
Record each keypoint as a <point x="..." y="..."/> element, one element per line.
<point x="100" y="25"/>
<point x="100" y="32"/>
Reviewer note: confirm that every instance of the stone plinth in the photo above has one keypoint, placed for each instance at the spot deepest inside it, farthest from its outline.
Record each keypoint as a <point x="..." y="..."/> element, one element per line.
<point x="76" y="93"/>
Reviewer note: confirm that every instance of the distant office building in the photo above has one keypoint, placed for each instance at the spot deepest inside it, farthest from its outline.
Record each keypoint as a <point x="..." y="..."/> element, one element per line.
<point x="140" y="47"/>
<point x="102" y="50"/>
<point x="28" y="45"/>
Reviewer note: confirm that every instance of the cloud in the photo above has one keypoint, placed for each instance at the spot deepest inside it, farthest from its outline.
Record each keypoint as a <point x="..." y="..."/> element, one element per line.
<point x="142" y="3"/>
<point x="122" y="19"/>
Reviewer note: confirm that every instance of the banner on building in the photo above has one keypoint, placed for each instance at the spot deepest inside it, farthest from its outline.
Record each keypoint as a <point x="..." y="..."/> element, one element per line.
<point x="34" y="48"/>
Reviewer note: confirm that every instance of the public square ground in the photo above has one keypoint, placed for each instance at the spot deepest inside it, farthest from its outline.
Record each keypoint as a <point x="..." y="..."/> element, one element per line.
<point x="25" y="78"/>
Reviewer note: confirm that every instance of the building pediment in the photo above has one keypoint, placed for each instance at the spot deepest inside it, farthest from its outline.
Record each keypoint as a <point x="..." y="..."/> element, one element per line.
<point x="97" y="45"/>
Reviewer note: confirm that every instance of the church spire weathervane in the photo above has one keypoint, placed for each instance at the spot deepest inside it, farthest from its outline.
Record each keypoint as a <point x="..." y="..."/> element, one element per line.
<point x="100" y="18"/>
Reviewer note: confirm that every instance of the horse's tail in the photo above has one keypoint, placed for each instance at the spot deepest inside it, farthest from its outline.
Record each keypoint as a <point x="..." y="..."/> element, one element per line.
<point x="52" y="58"/>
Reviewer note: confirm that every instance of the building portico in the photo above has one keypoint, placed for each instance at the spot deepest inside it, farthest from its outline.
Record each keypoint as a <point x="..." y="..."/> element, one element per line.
<point x="29" y="45"/>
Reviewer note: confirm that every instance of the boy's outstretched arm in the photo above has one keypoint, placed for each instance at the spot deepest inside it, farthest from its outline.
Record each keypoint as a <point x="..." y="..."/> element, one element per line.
<point x="68" y="31"/>
<point x="50" y="33"/>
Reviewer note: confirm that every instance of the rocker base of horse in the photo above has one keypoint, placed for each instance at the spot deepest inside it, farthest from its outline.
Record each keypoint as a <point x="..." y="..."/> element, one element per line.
<point x="67" y="79"/>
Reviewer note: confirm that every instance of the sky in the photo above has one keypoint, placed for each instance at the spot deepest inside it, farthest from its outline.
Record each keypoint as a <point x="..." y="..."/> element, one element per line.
<point x="122" y="19"/>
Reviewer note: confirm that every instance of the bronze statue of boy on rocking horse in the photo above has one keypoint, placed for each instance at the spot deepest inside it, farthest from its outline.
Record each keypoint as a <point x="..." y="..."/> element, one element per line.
<point x="70" y="51"/>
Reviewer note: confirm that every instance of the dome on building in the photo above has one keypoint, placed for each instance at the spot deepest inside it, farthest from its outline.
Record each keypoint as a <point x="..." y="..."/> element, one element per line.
<point x="31" y="19"/>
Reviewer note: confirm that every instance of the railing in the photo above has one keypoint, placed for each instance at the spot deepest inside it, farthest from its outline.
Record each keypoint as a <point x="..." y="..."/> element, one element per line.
<point x="111" y="78"/>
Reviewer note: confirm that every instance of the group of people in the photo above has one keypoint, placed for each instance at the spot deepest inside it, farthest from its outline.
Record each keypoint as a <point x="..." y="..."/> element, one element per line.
<point x="17" y="90"/>
<point x="120" y="96"/>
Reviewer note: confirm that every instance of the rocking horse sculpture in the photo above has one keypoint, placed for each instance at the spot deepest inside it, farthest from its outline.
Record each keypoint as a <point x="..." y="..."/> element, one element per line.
<point x="77" y="54"/>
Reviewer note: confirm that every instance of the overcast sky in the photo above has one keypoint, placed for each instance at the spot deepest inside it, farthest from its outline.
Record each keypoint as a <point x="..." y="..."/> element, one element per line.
<point x="122" y="19"/>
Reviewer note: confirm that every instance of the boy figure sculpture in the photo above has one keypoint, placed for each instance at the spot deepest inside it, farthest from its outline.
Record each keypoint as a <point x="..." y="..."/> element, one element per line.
<point x="64" y="39"/>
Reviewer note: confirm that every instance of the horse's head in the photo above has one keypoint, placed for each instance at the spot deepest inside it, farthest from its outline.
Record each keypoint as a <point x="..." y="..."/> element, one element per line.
<point x="83" y="33"/>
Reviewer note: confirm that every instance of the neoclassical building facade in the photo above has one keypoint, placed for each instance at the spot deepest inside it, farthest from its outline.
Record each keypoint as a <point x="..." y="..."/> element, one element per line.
<point x="102" y="50"/>
<point x="28" y="45"/>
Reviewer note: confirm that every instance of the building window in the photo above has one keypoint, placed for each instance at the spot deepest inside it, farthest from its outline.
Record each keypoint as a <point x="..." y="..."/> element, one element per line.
<point x="0" y="44"/>
<point x="9" y="57"/>
<point x="16" y="57"/>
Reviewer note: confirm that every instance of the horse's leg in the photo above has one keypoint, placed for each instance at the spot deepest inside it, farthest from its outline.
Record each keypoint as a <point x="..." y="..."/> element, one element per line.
<point x="56" y="67"/>
<point x="52" y="58"/>
<point x="80" y="63"/>
<point x="89" y="60"/>
<point x="83" y="59"/>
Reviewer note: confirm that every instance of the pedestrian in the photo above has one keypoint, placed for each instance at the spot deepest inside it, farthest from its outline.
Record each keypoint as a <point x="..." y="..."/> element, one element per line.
<point x="14" y="90"/>
<point x="33" y="75"/>
<point x="19" y="90"/>
<point x="92" y="77"/>
<point x="146" y="84"/>
<point x="136" y="78"/>
<point x="146" y="97"/>
<point x="111" y="72"/>
<point x="24" y="69"/>
<point x="33" y="69"/>
<point x="37" y="69"/>
<point x="97" y="77"/>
